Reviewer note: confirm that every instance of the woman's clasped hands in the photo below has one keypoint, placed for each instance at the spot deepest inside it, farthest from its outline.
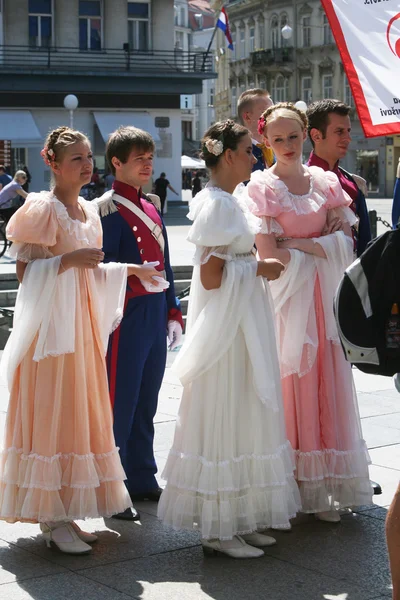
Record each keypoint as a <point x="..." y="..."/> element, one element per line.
<point x="84" y="258"/>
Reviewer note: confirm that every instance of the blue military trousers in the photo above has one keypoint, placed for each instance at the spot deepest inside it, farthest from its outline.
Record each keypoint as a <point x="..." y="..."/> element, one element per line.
<point x="136" y="363"/>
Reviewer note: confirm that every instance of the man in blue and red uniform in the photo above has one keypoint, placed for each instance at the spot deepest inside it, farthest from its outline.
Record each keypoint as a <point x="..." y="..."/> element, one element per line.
<point x="137" y="349"/>
<point x="329" y="128"/>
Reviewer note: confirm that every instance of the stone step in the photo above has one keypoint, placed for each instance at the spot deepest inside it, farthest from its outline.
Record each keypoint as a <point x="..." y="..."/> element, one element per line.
<point x="7" y="297"/>
<point x="184" y="305"/>
<point x="181" y="284"/>
<point x="182" y="272"/>
<point x="9" y="284"/>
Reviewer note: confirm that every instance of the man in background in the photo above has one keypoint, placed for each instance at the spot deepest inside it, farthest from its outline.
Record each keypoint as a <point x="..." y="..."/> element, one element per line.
<point x="251" y="105"/>
<point x="5" y="178"/>
<point x="160" y="189"/>
<point x="196" y="184"/>
<point x="329" y="128"/>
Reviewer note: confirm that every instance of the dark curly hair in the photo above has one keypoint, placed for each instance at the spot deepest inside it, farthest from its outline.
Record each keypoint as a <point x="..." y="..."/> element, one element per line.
<point x="228" y="133"/>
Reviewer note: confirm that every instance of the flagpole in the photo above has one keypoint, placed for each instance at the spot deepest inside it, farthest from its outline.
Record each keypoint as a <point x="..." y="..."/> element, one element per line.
<point x="211" y="42"/>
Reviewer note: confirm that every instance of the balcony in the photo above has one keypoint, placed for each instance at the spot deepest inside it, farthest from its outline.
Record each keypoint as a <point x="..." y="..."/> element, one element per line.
<point x="174" y="70"/>
<point x="265" y="59"/>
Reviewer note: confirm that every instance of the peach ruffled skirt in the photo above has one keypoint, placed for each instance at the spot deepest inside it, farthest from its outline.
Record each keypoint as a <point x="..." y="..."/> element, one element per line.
<point x="59" y="460"/>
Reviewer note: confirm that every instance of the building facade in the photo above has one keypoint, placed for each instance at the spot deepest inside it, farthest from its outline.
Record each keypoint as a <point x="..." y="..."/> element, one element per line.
<point x="194" y="27"/>
<point x="305" y="66"/>
<point x="119" y="57"/>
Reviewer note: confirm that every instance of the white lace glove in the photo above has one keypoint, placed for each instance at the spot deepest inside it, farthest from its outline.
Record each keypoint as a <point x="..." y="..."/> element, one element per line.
<point x="174" y="334"/>
<point x="163" y="284"/>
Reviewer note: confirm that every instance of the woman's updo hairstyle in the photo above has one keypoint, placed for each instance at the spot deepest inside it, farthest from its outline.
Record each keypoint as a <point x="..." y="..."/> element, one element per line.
<point x="281" y="110"/>
<point x="59" y="139"/>
<point x="221" y="136"/>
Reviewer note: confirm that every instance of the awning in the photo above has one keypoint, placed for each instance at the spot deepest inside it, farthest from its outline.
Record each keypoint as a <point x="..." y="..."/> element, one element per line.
<point x="108" y="122"/>
<point x="187" y="162"/>
<point x="18" y="126"/>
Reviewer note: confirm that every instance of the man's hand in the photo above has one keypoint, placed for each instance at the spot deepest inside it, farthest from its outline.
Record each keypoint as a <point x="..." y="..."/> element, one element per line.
<point x="174" y="334"/>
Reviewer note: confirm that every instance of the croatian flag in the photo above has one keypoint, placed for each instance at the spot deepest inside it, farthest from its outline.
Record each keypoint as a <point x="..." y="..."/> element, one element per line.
<point x="223" y="23"/>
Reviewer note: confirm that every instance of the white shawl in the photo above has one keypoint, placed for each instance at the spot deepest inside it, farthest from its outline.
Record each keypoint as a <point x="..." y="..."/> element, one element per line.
<point x="241" y="302"/>
<point x="46" y="306"/>
<point x="293" y="295"/>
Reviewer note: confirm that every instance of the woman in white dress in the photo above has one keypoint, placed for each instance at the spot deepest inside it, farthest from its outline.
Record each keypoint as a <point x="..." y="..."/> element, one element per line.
<point x="230" y="470"/>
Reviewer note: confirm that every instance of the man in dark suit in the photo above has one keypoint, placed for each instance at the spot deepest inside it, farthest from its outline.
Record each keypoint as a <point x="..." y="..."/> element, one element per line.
<point x="251" y="105"/>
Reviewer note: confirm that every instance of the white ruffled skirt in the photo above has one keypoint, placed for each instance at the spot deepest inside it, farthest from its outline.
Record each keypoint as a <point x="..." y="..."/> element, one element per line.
<point x="230" y="469"/>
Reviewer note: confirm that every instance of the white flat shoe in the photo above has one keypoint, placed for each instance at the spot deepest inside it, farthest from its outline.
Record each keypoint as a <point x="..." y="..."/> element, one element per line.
<point x="235" y="548"/>
<point x="330" y="516"/>
<point x="85" y="536"/>
<point x="74" y="546"/>
<point x="286" y="529"/>
<point x="259" y="540"/>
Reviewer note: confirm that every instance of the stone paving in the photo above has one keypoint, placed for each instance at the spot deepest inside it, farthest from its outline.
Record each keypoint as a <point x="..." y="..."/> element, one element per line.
<point x="147" y="561"/>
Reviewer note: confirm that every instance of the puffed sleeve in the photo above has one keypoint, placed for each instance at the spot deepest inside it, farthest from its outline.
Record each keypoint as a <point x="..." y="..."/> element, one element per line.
<point x="265" y="202"/>
<point x="217" y="223"/>
<point x="338" y="200"/>
<point x="33" y="229"/>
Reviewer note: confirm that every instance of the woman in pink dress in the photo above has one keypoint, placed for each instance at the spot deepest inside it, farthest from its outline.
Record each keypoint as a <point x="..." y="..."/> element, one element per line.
<point x="60" y="462"/>
<point x="307" y="225"/>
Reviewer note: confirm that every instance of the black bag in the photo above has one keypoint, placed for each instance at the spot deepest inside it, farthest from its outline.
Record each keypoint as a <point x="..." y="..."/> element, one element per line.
<point x="363" y="306"/>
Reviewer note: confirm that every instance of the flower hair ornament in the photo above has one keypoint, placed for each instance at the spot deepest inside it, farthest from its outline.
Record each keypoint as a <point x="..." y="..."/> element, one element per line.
<point x="215" y="147"/>
<point x="261" y="125"/>
<point x="48" y="155"/>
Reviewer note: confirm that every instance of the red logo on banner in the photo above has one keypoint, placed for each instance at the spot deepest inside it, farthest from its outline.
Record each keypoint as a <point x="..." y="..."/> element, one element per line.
<point x="396" y="48"/>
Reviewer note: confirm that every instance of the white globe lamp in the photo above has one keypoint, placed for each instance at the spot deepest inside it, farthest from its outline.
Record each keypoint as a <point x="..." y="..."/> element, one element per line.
<point x="286" y="32"/>
<point x="71" y="103"/>
<point x="301" y="105"/>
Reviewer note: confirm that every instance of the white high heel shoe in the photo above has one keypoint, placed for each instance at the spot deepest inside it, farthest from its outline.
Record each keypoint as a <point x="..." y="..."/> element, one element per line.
<point x="259" y="540"/>
<point x="330" y="516"/>
<point x="235" y="548"/>
<point x="85" y="536"/>
<point x="75" y="546"/>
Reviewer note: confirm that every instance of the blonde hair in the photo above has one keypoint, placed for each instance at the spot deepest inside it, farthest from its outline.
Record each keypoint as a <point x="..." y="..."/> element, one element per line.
<point x="247" y="98"/>
<point x="19" y="174"/>
<point x="282" y="110"/>
<point x="59" y="139"/>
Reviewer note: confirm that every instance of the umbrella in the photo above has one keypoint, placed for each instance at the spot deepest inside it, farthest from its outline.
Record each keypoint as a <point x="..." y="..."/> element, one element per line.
<point x="187" y="162"/>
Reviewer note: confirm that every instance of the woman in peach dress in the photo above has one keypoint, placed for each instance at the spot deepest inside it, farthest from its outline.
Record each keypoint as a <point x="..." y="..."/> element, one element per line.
<point x="307" y="225"/>
<point x="60" y="462"/>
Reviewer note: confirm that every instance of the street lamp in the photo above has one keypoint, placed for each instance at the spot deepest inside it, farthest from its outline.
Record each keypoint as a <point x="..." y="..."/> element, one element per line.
<point x="71" y="103"/>
<point x="301" y="105"/>
<point x="286" y="32"/>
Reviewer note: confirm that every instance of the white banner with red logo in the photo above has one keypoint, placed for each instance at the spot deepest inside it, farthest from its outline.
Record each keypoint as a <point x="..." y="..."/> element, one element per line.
<point x="367" y="33"/>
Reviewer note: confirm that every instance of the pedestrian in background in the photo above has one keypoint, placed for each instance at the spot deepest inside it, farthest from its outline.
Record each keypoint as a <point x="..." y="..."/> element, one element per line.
<point x="5" y="178"/>
<point x="160" y="188"/>
<point x="108" y="181"/>
<point x="196" y="184"/>
<point x="28" y="179"/>
<point x="8" y="194"/>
